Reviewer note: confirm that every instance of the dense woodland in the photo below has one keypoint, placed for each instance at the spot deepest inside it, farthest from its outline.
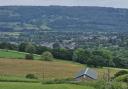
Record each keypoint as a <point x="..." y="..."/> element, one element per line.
<point x="62" y="18"/>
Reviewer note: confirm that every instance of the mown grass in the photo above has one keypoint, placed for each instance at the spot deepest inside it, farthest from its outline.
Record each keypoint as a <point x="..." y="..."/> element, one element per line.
<point x="17" y="79"/>
<point x="15" y="54"/>
<point x="9" y="85"/>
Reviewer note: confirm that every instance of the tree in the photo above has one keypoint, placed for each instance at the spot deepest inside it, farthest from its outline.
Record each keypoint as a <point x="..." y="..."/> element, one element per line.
<point x="29" y="56"/>
<point x="8" y="46"/>
<point x="22" y="47"/>
<point x="80" y="55"/>
<point x="56" y="46"/>
<point x="41" y="49"/>
<point x="96" y="61"/>
<point x="121" y="72"/>
<point x="30" y="48"/>
<point x="120" y="62"/>
<point x="62" y="53"/>
<point x="47" y="56"/>
<point x="106" y="54"/>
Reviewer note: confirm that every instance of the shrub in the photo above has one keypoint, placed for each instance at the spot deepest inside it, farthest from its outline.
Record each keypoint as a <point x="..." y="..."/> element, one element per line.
<point x="47" y="56"/>
<point x="122" y="78"/>
<point x="29" y="57"/>
<point x="96" y="84"/>
<point x="31" y="76"/>
<point x="101" y="84"/>
<point x="122" y="72"/>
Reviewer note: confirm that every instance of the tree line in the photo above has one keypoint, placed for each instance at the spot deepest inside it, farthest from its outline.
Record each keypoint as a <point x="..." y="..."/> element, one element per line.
<point x="99" y="57"/>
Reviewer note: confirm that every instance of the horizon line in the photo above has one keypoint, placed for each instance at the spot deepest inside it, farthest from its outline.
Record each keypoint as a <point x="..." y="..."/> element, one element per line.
<point x="64" y="6"/>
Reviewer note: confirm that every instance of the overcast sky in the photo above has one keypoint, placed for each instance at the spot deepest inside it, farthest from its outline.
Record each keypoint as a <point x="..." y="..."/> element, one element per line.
<point x="103" y="3"/>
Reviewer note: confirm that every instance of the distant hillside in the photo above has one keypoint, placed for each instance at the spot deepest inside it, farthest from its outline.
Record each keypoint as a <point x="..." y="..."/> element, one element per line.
<point x="62" y="18"/>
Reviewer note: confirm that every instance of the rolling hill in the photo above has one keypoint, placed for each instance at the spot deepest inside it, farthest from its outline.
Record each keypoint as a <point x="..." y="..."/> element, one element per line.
<point x="62" y="18"/>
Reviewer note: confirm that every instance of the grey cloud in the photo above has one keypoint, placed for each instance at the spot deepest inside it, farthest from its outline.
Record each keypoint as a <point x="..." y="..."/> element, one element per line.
<point x="106" y="3"/>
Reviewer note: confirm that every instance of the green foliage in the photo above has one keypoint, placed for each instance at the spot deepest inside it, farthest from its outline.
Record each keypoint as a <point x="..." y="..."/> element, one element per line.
<point x="47" y="56"/>
<point x="122" y="78"/>
<point x="103" y="52"/>
<point x="121" y="62"/>
<point x="114" y="85"/>
<point x="31" y="76"/>
<point x="121" y="72"/>
<point x="7" y="46"/>
<point x="22" y="47"/>
<point x="56" y="46"/>
<point x="58" y="81"/>
<point x="97" y="61"/>
<point x="30" y="48"/>
<point x="81" y="55"/>
<point x="101" y="84"/>
<point x="102" y="57"/>
<point x="41" y="49"/>
<point x="58" y="21"/>
<point x="94" y="57"/>
<point x="62" y="53"/>
<point x="29" y="56"/>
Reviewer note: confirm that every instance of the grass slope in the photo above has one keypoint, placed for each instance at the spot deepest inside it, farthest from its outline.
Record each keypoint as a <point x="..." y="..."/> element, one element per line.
<point x="40" y="86"/>
<point x="53" y="69"/>
<point x="14" y="54"/>
<point x="10" y="67"/>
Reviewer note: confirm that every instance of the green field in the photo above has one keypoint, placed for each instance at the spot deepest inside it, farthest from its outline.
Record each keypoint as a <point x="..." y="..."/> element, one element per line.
<point x="8" y="85"/>
<point x="13" y="72"/>
<point x="14" y="54"/>
<point x="10" y="66"/>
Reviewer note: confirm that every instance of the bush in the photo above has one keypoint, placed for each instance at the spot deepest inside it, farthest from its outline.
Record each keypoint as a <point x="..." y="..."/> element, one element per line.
<point x="47" y="56"/>
<point x="101" y="84"/>
<point x="31" y="76"/>
<point x="123" y="78"/>
<point x="96" y="84"/>
<point x="122" y="72"/>
<point x="29" y="57"/>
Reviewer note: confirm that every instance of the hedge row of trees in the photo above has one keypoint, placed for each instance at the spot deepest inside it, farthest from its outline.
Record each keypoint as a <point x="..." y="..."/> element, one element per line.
<point x="93" y="57"/>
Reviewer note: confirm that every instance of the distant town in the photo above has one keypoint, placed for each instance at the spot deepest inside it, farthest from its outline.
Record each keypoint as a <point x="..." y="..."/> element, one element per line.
<point x="69" y="40"/>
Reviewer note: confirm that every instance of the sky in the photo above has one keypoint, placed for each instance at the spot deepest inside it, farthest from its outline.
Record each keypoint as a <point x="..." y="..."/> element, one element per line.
<point x="102" y="3"/>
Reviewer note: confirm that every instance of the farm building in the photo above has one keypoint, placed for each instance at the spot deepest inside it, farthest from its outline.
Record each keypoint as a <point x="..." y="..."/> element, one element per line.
<point x="87" y="74"/>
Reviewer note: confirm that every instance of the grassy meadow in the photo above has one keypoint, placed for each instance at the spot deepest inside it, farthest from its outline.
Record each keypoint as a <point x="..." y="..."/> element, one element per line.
<point x="40" y="86"/>
<point x="14" y="54"/>
<point x="10" y="66"/>
<point x="14" y="68"/>
<point x="47" y="69"/>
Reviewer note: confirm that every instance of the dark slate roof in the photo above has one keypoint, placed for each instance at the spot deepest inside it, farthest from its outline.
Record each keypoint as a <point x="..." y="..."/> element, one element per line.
<point x="87" y="72"/>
